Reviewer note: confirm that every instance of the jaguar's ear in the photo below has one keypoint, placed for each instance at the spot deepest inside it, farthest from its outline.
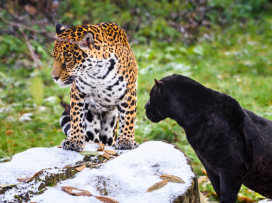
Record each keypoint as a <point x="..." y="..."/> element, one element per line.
<point x="159" y="85"/>
<point x="60" y="29"/>
<point x="86" y="42"/>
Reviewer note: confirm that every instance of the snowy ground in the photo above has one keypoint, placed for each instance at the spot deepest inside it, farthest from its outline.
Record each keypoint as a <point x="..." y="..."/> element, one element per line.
<point x="125" y="178"/>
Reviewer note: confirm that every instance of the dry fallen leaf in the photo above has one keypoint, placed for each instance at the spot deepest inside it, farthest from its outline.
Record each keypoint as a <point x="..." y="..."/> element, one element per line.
<point x="59" y="146"/>
<point x="107" y="156"/>
<point x="111" y="152"/>
<point x="172" y="178"/>
<point x="30" y="9"/>
<point x="9" y="132"/>
<point x="204" y="171"/>
<point x="202" y="179"/>
<point x="214" y="194"/>
<point x="70" y="191"/>
<point x="80" y="168"/>
<point x="27" y="180"/>
<point x="101" y="148"/>
<point x="106" y="199"/>
<point x="157" y="186"/>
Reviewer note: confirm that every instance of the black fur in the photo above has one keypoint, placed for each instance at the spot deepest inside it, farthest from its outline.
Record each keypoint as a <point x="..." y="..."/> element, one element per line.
<point x="234" y="144"/>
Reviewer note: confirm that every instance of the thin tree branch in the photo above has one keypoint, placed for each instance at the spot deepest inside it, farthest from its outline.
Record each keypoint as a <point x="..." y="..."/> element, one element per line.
<point x="34" y="56"/>
<point x="30" y="48"/>
<point x="60" y="40"/>
<point x="19" y="25"/>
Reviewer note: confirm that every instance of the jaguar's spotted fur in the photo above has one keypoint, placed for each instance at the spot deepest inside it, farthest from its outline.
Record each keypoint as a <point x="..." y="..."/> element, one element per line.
<point x="98" y="63"/>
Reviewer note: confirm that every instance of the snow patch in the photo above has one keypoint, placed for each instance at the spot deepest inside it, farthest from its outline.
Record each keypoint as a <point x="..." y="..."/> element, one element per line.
<point x="125" y="178"/>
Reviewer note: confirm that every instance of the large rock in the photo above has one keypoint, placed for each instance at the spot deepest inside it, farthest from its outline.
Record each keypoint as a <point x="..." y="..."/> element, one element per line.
<point x="124" y="178"/>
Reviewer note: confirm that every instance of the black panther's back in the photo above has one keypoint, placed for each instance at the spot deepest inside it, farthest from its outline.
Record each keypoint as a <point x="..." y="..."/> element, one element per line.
<point x="259" y="147"/>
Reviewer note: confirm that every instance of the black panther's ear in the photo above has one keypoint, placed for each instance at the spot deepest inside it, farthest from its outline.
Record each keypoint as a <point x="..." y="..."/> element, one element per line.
<point x="86" y="42"/>
<point x="159" y="85"/>
<point x="60" y="29"/>
<point x="157" y="82"/>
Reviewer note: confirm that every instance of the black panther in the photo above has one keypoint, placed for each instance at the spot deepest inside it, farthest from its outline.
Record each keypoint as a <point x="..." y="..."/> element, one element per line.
<point x="233" y="144"/>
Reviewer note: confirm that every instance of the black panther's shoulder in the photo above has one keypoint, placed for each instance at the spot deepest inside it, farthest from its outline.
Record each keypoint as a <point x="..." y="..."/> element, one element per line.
<point x="257" y="120"/>
<point x="230" y="109"/>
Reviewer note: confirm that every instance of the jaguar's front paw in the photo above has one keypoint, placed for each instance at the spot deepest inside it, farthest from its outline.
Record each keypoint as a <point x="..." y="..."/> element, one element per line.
<point x="126" y="144"/>
<point x="75" y="145"/>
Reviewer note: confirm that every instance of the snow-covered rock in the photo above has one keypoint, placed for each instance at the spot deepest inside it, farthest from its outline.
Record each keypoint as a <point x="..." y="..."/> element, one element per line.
<point x="125" y="178"/>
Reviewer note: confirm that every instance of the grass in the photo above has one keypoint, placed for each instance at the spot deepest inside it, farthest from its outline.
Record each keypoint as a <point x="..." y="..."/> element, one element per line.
<point x="235" y="61"/>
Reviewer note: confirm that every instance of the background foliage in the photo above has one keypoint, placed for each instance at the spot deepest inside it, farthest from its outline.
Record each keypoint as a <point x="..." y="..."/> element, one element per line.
<point x="224" y="44"/>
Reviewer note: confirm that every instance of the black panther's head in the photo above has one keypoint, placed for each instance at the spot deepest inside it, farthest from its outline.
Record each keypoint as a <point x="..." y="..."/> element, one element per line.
<point x="157" y="107"/>
<point x="175" y="96"/>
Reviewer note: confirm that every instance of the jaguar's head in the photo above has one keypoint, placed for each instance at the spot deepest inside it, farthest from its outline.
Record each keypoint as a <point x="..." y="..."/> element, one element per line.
<point x="70" y="53"/>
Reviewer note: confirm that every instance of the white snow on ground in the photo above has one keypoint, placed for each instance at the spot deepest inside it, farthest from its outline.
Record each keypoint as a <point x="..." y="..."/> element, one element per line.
<point x="27" y="163"/>
<point x="128" y="176"/>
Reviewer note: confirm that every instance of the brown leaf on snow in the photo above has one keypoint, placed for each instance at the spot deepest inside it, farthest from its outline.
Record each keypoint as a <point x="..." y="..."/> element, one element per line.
<point x="27" y="180"/>
<point x="157" y="186"/>
<point x="70" y="191"/>
<point x="106" y="199"/>
<point x="172" y="178"/>
<point x="111" y="152"/>
<point x="80" y="168"/>
<point x="101" y="148"/>
<point x="202" y="179"/>
<point x="59" y="146"/>
<point x="106" y="155"/>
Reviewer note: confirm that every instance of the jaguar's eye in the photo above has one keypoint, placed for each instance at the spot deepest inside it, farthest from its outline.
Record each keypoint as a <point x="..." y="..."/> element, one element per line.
<point x="68" y="59"/>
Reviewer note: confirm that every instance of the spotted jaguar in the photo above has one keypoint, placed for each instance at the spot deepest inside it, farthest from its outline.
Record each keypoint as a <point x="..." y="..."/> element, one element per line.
<point x="98" y="63"/>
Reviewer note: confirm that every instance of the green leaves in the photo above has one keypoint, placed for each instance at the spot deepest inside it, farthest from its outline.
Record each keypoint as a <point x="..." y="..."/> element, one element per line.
<point x="89" y="153"/>
<point x="198" y="50"/>
<point x="36" y="88"/>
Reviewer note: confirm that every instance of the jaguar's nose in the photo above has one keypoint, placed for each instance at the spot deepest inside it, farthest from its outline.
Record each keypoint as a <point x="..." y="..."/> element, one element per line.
<point x="55" y="78"/>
